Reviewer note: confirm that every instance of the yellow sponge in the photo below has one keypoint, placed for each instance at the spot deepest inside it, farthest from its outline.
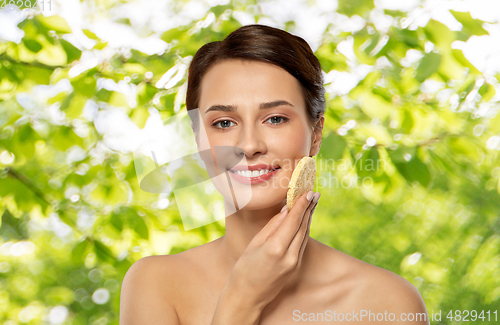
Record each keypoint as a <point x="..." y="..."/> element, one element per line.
<point x="302" y="181"/>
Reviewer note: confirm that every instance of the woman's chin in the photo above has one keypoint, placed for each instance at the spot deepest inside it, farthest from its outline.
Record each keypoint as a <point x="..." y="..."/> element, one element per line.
<point x="263" y="202"/>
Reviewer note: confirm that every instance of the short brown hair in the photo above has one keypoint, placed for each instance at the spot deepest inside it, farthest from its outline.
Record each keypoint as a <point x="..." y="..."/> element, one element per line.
<point x="265" y="44"/>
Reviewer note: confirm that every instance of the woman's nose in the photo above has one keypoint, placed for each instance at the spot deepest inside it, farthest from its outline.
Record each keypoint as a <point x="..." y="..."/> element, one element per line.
<point x="251" y="142"/>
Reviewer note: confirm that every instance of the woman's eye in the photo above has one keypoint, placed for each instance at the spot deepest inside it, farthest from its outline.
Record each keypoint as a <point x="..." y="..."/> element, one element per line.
<point x="223" y="123"/>
<point x="284" y="119"/>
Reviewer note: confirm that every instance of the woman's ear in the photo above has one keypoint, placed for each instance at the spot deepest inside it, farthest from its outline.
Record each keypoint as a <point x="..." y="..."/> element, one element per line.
<point x="317" y="136"/>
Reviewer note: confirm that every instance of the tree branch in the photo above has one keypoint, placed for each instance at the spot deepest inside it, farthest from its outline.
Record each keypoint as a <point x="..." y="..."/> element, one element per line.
<point x="23" y="179"/>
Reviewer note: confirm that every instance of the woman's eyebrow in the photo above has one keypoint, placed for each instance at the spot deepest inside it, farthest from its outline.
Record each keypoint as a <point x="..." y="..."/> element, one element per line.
<point x="232" y="108"/>
<point x="274" y="104"/>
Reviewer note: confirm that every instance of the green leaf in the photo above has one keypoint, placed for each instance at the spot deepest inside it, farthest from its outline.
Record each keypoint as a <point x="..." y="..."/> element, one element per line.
<point x="102" y="252"/>
<point x="428" y="65"/>
<point x="383" y="92"/>
<point x="139" y="116"/>
<point x="471" y="25"/>
<point x="332" y="146"/>
<point x="407" y="121"/>
<point x="460" y="57"/>
<point x="363" y="40"/>
<point x="487" y="91"/>
<point x="100" y="44"/>
<point x="413" y="169"/>
<point x="137" y="223"/>
<point x="32" y="45"/>
<point x="90" y="34"/>
<point x="68" y="216"/>
<point x="64" y="137"/>
<point x="330" y="58"/>
<point x="410" y="37"/>
<point x="25" y="197"/>
<point x="29" y="27"/>
<point x="442" y="163"/>
<point x="104" y="95"/>
<point x="55" y="23"/>
<point x="117" y="221"/>
<point x="394" y="13"/>
<point x="450" y="68"/>
<point x="146" y="92"/>
<point x="73" y="105"/>
<point x="85" y="85"/>
<point x="124" y="21"/>
<point x="367" y="165"/>
<point x="439" y="34"/>
<point x="355" y="7"/>
<point x="174" y="34"/>
<point x="135" y="68"/>
<point x="467" y="86"/>
<point x="220" y="9"/>
<point x="26" y="140"/>
<point x="118" y="99"/>
<point x="10" y="229"/>
<point x="400" y="155"/>
<point x="167" y="102"/>
<point x="465" y="149"/>
<point x="140" y="227"/>
<point x="372" y="43"/>
<point x="52" y="55"/>
<point x="376" y="106"/>
<point x="39" y="75"/>
<point x="72" y="52"/>
<point x="78" y="253"/>
<point x="59" y="98"/>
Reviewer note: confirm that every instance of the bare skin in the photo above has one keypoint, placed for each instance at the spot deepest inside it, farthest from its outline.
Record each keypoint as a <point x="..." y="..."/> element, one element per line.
<point x="330" y="280"/>
<point x="186" y="288"/>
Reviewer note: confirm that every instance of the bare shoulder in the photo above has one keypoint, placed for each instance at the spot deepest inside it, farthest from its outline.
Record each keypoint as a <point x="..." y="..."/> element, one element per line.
<point x="389" y="292"/>
<point x="154" y="288"/>
<point x="377" y="289"/>
<point x="147" y="291"/>
<point x="396" y="290"/>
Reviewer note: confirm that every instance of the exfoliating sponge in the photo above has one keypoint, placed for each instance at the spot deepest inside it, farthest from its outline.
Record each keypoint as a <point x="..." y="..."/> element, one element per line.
<point x="302" y="181"/>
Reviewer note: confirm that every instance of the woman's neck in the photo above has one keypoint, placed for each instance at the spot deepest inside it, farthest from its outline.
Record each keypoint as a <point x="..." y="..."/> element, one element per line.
<point x="241" y="227"/>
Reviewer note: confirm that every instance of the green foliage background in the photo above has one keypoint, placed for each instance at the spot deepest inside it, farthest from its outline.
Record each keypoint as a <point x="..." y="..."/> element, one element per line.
<point x="432" y="214"/>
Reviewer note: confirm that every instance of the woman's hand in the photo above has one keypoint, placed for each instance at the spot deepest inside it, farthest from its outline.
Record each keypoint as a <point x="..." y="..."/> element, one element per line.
<point x="274" y="253"/>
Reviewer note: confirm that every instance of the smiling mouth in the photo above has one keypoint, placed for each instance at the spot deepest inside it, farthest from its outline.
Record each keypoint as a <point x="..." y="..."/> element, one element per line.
<point x="253" y="173"/>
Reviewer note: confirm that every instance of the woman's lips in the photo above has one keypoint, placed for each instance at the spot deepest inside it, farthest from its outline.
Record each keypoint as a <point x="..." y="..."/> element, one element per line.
<point x="253" y="180"/>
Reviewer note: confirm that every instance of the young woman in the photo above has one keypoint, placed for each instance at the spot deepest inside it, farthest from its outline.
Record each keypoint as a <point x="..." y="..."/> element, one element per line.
<point x="261" y="90"/>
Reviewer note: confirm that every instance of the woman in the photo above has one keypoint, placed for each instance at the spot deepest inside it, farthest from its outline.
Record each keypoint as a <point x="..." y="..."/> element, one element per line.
<point x="261" y="90"/>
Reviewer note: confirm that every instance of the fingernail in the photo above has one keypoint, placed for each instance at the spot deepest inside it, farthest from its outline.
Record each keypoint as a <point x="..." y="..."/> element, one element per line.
<point x="309" y="195"/>
<point x="283" y="208"/>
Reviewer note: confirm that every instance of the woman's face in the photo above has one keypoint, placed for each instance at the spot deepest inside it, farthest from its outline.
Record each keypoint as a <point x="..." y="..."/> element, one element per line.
<point x="258" y="108"/>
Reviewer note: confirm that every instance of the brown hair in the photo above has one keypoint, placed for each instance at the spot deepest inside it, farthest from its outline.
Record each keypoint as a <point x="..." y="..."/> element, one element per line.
<point x="265" y="44"/>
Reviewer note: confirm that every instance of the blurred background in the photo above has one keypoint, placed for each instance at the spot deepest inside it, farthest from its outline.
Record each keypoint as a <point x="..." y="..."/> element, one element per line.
<point x="413" y="86"/>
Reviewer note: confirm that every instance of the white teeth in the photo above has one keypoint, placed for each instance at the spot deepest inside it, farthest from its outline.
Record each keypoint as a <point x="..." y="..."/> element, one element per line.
<point x="252" y="173"/>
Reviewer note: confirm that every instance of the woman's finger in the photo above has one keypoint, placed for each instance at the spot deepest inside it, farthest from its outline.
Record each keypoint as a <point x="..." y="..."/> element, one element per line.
<point x="271" y="226"/>
<point x="298" y="240"/>
<point x="306" y="239"/>
<point x="288" y="228"/>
